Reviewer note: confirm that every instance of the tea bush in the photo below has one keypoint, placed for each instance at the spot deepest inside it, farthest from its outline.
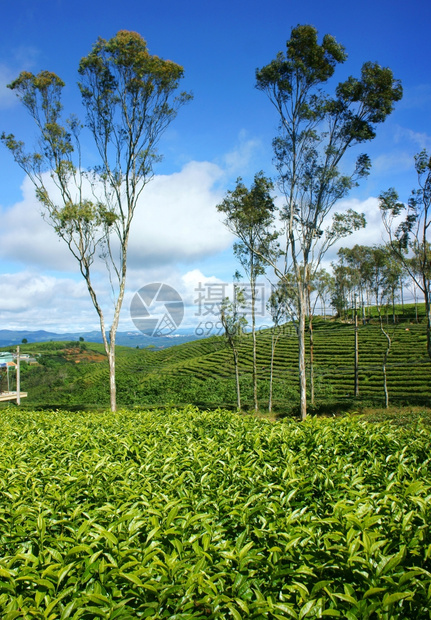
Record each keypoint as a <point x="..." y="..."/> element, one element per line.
<point x="189" y="514"/>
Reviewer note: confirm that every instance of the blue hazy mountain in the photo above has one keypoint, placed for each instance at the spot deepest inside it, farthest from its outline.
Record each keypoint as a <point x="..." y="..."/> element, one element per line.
<point x="10" y="338"/>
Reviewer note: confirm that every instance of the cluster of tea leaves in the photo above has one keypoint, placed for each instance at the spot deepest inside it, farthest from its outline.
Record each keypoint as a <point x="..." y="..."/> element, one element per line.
<point x="188" y="514"/>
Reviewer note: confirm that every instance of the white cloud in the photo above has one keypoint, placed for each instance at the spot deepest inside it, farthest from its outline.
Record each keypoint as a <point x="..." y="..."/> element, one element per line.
<point x="177" y="224"/>
<point x="240" y="158"/>
<point x="34" y="301"/>
<point x="37" y="300"/>
<point x="373" y="234"/>
<point x="176" y="221"/>
<point x="421" y="139"/>
<point x="192" y="282"/>
<point x="27" y="239"/>
<point x="187" y="285"/>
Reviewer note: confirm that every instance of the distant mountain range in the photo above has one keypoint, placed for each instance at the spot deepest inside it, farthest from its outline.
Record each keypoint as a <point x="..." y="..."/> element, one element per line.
<point x="9" y="338"/>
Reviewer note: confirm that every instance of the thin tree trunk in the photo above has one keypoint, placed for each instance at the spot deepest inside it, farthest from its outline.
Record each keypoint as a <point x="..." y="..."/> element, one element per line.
<point x="112" y="383"/>
<point x="18" y="378"/>
<point x="356" y="351"/>
<point x="428" y="313"/>
<point x="310" y="327"/>
<point x="238" y="389"/>
<point x="115" y="321"/>
<point x="271" y="373"/>
<point x="274" y="340"/>
<point x="311" y="363"/>
<point x="108" y="346"/>
<point x="301" y="359"/>
<point x="253" y="329"/>
<point x="385" y="382"/>
<point x="385" y="359"/>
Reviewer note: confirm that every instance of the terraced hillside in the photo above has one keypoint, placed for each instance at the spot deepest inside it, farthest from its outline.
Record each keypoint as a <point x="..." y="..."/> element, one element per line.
<point x="201" y="372"/>
<point x="408" y="367"/>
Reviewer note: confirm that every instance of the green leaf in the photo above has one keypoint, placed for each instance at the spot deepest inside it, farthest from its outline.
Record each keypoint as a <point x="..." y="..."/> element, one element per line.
<point x="306" y="609"/>
<point x="319" y="586"/>
<point x="390" y="599"/>
<point x="346" y="597"/>
<point x="286" y="609"/>
<point x="373" y="591"/>
<point x="243" y="605"/>
<point x="390" y="562"/>
<point x="235" y="613"/>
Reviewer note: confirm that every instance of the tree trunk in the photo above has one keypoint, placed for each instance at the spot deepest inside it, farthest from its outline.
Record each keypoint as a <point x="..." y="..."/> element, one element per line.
<point x="112" y="383"/>
<point x="385" y="359"/>
<point x="310" y="327"/>
<point x="18" y="378"/>
<point x="301" y="358"/>
<point x="311" y="364"/>
<point x="238" y="389"/>
<point x="109" y="345"/>
<point x="385" y="384"/>
<point x="253" y="329"/>
<point x="356" y="352"/>
<point x="274" y="340"/>
<point x="427" y="313"/>
<point x="271" y="373"/>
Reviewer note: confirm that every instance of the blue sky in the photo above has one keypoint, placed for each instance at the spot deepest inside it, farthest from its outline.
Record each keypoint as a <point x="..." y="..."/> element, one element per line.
<point x="225" y="132"/>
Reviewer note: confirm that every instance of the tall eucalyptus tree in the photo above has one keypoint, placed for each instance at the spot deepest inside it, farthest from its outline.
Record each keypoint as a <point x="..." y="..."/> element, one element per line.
<point x="316" y="130"/>
<point x="129" y="97"/>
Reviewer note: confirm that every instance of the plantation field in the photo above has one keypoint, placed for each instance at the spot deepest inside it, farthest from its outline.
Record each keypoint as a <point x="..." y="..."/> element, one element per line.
<point x="201" y="372"/>
<point x="196" y="514"/>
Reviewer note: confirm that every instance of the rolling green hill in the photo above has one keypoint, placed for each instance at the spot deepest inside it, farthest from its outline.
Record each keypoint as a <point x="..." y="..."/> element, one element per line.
<point x="201" y="371"/>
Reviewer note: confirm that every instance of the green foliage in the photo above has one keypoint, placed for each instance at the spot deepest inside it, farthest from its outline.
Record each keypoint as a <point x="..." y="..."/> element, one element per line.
<point x="188" y="514"/>
<point x="202" y="372"/>
<point x="129" y="98"/>
<point x="249" y="216"/>
<point x="315" y="129"/>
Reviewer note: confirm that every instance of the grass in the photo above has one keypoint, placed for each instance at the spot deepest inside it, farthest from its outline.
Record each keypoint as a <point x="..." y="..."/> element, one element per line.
<point x="400" y="416"/>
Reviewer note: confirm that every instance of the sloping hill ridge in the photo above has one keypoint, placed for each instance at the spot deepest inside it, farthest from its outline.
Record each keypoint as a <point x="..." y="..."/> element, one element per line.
<point x="201" y="371"/>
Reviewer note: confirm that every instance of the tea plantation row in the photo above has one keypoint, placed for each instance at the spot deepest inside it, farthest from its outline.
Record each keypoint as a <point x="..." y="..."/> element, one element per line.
<point x="188" y="514"/>
<point x="201" y="372"/>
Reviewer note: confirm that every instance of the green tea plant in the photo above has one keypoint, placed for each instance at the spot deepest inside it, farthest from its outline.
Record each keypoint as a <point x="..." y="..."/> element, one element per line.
<point x="201" y="373"/>
<point x="190" y="514"/>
